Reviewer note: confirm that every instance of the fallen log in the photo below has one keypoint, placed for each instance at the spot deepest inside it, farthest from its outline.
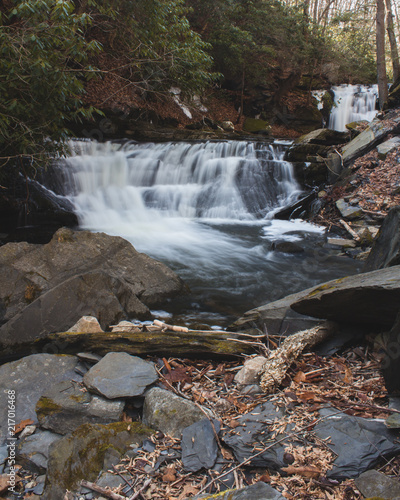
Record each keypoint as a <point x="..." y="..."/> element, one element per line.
<point x="279" y="360"/>
<point x="152" y="342"/>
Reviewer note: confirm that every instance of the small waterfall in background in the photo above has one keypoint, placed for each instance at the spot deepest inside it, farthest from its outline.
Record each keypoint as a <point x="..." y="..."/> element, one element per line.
<point x="353" y="103"/>
<point x="205" y="210"/>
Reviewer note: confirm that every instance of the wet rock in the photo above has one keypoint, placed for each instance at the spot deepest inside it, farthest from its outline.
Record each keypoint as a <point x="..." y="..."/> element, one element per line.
<point x="257" y="491"/>
<point x="375" y="484"/>
<point x="369" y="299"/>
<point x="120" y="375"/>
<point x="251" y="371"/>
<point x="276" y="318"/>
<point x="66" y="406"/>
<point x="169" y="413"/>
<point x="199" y="445"/>
<point x="385" y="251"/>
<point x="287" y="247"/>
<point x="359" y="443"/>
<point x="80" y="455"/>
<point x="348" y="211"/>
<point x="87" y="324"/>
<point x="387" y="147"/>
<point x="30" y="377"/>
<point x="33" y="451"/>
<point x="48" y="288"/>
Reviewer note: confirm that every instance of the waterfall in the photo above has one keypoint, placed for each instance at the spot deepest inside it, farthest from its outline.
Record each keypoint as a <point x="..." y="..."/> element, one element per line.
<point x="353" y="103"/>
<point x="202" y="208"/>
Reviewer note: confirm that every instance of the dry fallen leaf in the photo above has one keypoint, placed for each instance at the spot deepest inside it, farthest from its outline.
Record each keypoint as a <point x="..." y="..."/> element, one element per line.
<point x="300" y="377"/>
<point x="21" y="426"/>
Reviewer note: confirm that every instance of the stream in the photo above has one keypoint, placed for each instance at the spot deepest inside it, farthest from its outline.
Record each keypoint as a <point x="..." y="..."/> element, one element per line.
<point x="206" y="210"/>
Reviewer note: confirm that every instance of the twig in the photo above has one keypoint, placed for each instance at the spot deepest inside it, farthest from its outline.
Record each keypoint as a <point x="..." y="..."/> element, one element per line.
<point x="122" y="477"/>
<point x="104" y="491"/>
<point x="139" y="492"/>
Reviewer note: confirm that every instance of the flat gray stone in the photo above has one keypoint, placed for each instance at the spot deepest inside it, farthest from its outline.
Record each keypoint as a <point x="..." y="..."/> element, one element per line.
<point x="276" y="317"/>
<point x="120" y="375"/>
<point x="199" y="445"/>
<point x="387" y="147"/>
<point x="257" y="491"/>
<point x="359" y="442"/>
<point x="375" y="484"/>
<point x="30" y="377"/>
<point x="371" y="299"/>
<point x="348" y="211"/>
<point x="66" y="406"/>
<point x="169" y="413"/>
<point x="33" y="451"/>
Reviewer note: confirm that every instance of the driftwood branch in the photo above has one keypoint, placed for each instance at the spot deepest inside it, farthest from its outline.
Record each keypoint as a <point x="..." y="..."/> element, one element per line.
<point x="350" y="230"/>
<point x="279" y="360"/>
<point x="154" y="340"/>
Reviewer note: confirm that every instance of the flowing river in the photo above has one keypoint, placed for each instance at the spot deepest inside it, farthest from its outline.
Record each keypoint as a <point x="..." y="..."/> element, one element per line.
<point x="205" y="209"/>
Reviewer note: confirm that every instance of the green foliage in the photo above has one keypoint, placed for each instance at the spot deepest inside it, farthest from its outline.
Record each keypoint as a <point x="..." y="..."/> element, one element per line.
<point x="43" y="66"/>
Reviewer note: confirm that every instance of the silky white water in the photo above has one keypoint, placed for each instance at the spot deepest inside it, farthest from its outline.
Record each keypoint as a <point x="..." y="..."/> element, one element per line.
<point x="353" y="103"/>
<point x="204" y="209"/>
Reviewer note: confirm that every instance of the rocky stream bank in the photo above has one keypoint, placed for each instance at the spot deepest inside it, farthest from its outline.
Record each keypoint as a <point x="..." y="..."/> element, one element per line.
<point x="267" y="417"/>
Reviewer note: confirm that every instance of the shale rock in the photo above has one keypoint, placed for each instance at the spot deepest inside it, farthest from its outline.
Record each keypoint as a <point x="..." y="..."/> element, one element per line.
<point x="375" y="484"/>
<point x="30" y="377"/>
<point x="385" y="251"/>
<point x="33" y="451"/>
<point x="120" y="375"/>
<point x="47" y="288"/>
<point x="199" y="445"/>
<point x="66" y="406"/>
<point x="367" y="299"/>
<point x="374" y="134"/>
<point x="276" y="317"/>
<point x="169" y="413"/>
<point x="80" y="455"/>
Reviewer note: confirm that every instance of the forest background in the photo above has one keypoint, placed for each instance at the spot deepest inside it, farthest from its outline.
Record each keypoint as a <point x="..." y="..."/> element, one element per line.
<point x="64" y="62"/>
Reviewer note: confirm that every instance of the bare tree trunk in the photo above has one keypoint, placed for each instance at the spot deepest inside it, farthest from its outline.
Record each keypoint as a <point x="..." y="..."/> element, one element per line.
<point x="380" y="53"/>
<point x="392" y="40"/>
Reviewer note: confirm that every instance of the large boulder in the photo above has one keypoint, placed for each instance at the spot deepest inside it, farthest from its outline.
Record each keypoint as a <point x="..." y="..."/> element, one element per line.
<point x="385" y="251"/>
<point x="370" y="299"/>
<point x="48" y="288"/>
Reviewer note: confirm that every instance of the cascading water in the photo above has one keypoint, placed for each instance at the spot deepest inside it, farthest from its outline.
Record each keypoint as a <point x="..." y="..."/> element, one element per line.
<point x="353" y="103"/>
<point x="203" y="209"/>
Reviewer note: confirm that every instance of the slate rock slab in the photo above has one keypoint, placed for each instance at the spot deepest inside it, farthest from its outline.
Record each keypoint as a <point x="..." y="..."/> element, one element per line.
<point x="66" y="406"/>
<point x="30" y="377"/>
<point x="375" y="484"/>
<point x="120" y="375"/>
<point x="199" y="445"/>
<point x="80" y="455"/>
<point x="385" y="251"/>
<point x="370" y="299"/>
<point x="169" y="413"/>
<point x="33" y="451"/>
<point x="257" y="491"/>
<point x="253" y="432"/>
<point x="359" y="442"/>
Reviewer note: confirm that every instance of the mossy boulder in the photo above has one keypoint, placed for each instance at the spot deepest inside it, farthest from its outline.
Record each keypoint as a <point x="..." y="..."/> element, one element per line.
<point x="66" y="406"/>
<point x="80" y="455"/>
<point x="254" y="125"/>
